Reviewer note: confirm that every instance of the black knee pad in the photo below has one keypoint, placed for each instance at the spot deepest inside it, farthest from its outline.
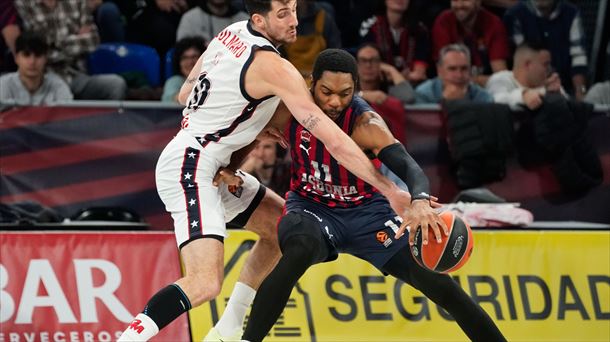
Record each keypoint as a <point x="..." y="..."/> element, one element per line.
<point x="293" y="224"/>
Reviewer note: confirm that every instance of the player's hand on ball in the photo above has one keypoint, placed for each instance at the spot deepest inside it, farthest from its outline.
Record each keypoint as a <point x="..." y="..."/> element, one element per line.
<point x="421" y="214"/>
<point x="227" y="176"/>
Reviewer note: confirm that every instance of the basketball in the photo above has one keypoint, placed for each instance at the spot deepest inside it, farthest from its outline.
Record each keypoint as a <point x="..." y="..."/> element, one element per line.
<point x="451" y="253"/>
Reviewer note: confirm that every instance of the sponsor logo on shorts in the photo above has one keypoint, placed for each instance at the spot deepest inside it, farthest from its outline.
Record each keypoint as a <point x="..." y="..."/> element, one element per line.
<point x="312" y="214"/>
<point x="236" y="190"/>
<point x="383" y="238"/>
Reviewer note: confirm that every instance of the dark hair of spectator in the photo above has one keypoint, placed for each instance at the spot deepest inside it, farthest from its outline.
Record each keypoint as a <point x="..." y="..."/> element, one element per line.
<point x="335" y="60"/>
<point x="260" y="6"/>
<point x="409" y="19"/>
<point x="184" y="44"/>
<point x="371" y="45"/>
<point x="30" y="42"/>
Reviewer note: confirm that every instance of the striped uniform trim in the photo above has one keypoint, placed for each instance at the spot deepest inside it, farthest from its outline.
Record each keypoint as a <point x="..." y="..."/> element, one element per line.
<point x="190" y="188"/>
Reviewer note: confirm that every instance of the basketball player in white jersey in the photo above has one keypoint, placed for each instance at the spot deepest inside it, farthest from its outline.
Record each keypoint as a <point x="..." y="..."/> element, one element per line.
<point x="230" y="95"/>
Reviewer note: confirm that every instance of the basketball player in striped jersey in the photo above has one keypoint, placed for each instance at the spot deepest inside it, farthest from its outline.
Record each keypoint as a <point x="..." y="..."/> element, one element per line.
<point x="230" y="95"/>
<point x="329" y="210"/>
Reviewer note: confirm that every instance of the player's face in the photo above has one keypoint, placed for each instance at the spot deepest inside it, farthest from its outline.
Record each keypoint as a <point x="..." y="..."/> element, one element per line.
<point x="333" y="92"/>
<point x="281" y="22"/>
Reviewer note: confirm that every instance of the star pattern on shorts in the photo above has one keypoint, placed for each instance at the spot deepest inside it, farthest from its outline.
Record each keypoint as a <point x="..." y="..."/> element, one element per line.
<point x="194" y="224"/>
<point x="187" y="175"/>
<point x="192" y="155"/>
<point x="192" y="202"/>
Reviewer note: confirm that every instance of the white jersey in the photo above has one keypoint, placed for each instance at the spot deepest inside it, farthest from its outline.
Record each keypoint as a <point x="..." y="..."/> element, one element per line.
<point x="219" y="111"/>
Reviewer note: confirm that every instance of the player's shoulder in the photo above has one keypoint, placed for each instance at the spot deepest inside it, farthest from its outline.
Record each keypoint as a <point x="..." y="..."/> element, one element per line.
<point x="360" y="106"/>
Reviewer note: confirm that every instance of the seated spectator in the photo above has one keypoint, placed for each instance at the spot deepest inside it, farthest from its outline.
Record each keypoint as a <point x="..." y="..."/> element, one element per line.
<point x="108" y="19"/>
<point x="557" y="25"/>
<point x="9" y="30"/>
<point x="186" y="53"/>
<point x="266" y="162"/>
<point x="69" y="44"/>
<point x="30" y="85"/>
<point x="208" y="18"/>
<point x="454" y="79"/>
<point x="477" y="28"/>
<point x="403" y="40"/>
<point x="530" y="80"/>
<point x="316" y="31"/>
<point x="599" y="94"/>
<point x="379" y="79"/>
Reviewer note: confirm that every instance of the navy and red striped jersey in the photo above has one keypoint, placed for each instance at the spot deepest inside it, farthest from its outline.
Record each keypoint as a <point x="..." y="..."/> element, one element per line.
<point x="315" y="174"/>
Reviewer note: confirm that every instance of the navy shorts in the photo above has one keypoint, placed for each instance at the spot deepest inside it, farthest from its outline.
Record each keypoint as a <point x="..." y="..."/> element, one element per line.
<point x="365" y="231"/>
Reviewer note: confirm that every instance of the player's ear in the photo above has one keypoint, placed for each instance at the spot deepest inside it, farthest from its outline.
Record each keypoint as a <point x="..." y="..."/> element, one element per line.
<point x="258" y="20"/>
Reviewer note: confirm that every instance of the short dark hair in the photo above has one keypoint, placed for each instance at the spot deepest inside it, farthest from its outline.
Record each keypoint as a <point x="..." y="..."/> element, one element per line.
<point x="335" y="60"/>
<point x="31" y="42"/>
<point x="184" y="44"/>
<point x="370" y="45"/>
<point x="260" y="6"/>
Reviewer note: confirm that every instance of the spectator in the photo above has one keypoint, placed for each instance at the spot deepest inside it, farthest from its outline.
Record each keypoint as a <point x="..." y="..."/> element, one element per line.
<point x="384" y="88"/>
<point x="481" y="31"/>
<point x="30" y="85"/>
<point x="557" y="24"/>
<point x="153" y="22"/>
<point x="208" y="18"/>
<point x="530" y="80"/>
<point x="402" y="39"/>
<point x="379" y="79"/>
<point x="69" y="44"/>
<point x="108" y="19"/>
<point x="10" y="30"/>
<point x="266" y="162"/>
<point x="316" y="31"/>
<point x="454" y="79"/>
<point x="186" y="53"/>
<point x="599" y="94"/>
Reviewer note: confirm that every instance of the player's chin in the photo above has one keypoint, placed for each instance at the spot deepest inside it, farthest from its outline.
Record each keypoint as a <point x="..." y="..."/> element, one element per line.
<point x="290" y="38"/>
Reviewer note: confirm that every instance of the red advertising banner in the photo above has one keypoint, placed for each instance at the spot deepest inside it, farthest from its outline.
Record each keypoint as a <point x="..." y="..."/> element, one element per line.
<point x="73" y="286"/>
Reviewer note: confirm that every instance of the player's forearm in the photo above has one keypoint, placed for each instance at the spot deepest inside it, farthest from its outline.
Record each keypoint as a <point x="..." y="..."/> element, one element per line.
<point x="398" y="160"/>
<point x="348" y="154"/>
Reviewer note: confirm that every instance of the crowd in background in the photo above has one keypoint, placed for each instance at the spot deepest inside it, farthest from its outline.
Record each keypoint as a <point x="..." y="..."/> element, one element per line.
<point x="513" y="52"/>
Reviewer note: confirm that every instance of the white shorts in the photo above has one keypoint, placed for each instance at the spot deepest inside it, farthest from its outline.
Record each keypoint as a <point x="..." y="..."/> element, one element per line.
<point x="184" y="176"/>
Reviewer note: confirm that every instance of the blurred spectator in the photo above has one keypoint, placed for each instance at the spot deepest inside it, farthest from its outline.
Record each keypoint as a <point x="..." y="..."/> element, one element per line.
<point x="384" y="88"/>
<point x="403" y="40"/>
<point x="69" y="43"/>
<point x="599" y="94"/>
<point x="153" y="22"/>
<point x="30" y="84"/>
<point x="378" y="79"/>
<point x="186" y="53"/>
<point x="108" y="19"/>
<point x="10" y="31"/>
<point x="557" y="25"/>
<point x="477" y="28"/>
<point x="530" y="80"/>
<point x="208" y="18"/>
<point x="316" y="31"/>
<point x="266" y="162"/>
<point x="454" y="79"/>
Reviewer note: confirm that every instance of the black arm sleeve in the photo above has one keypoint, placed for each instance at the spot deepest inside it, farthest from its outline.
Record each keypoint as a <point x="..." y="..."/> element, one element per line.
<point x="397" y="159"/>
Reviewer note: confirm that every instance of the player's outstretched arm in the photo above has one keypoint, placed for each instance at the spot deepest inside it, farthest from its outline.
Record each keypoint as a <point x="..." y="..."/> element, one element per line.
<point x="371" y="133"/>
<point x="270" y="74"/>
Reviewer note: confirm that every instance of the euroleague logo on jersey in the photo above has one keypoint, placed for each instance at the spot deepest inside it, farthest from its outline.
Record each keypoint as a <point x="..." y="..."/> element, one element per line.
<point x="383" y="238"/>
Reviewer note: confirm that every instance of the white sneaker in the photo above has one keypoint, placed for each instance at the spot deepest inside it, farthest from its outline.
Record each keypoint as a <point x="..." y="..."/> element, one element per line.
<point x="214" y="336"/>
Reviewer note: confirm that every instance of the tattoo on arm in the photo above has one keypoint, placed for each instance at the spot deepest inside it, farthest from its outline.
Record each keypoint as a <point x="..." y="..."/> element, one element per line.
<point x="311" y="122"/>
<point x="191" y="80"/>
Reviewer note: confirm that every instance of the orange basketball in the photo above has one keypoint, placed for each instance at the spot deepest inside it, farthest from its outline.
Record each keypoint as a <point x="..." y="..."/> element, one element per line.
<point x="451" y="253"/>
